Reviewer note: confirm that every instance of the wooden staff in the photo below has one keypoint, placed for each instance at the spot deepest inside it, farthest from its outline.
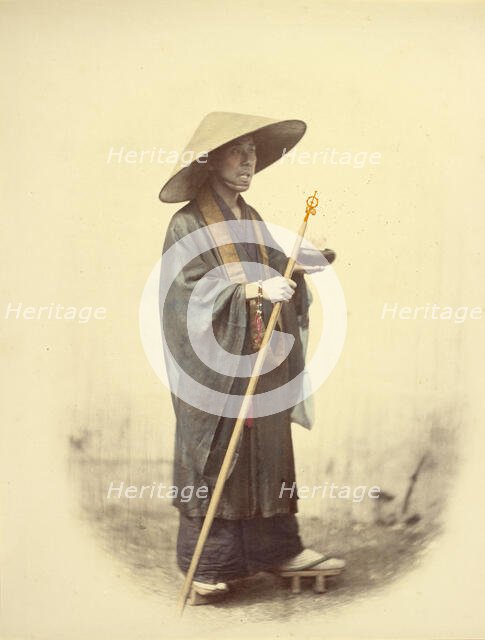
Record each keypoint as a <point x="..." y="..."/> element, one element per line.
<point x="312" y="202"/>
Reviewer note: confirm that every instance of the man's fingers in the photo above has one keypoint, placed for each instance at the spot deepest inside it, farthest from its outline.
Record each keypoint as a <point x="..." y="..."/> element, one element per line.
<point x="281" y="289"/>
<point x="288" y="294"/>
<point x="317" y="267"/>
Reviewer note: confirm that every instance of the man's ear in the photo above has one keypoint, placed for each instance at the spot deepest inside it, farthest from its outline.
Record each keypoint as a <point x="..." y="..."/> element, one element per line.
<point x="213" y="158"/>
<point x="211" y="165"/>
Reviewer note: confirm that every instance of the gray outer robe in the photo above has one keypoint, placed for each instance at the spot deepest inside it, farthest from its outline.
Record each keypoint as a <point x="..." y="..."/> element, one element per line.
<point x="265" y="453"/>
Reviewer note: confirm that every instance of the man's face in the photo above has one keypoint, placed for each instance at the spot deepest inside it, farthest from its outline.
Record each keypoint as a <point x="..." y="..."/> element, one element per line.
<point x="234" y="163"/>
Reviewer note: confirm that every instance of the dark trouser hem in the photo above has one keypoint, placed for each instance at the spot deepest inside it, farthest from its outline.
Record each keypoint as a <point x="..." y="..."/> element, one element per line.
<point x="238" y="548"/>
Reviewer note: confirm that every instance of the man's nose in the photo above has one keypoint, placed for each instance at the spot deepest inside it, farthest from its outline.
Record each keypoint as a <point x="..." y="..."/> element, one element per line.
<point x="247" y="157"/>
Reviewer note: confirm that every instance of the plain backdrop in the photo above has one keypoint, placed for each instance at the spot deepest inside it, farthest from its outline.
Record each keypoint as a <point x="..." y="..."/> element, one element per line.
<point x="402" y="79"/>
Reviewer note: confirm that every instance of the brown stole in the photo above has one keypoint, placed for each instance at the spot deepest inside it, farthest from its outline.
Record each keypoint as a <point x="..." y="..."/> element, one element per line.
<point x="228" y="255"/>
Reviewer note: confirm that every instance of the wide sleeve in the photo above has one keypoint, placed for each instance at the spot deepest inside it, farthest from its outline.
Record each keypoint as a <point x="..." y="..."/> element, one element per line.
<point x="203" y="319"/>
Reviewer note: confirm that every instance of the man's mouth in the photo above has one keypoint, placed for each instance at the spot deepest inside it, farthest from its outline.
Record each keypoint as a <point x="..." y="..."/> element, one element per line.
<point x="245" y="174"/>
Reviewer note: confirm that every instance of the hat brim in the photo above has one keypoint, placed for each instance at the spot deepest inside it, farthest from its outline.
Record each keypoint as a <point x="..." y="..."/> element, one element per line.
<point x="272" y="142"/>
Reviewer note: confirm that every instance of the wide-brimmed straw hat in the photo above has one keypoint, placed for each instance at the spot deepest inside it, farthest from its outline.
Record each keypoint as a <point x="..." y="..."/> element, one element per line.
<point x="273" y="138"/>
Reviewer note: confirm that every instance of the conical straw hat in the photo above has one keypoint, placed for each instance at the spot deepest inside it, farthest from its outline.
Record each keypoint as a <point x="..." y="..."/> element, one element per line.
<point x="273" y="139"/>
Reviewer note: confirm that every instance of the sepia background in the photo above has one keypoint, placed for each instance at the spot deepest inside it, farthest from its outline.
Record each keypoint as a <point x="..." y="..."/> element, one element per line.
<point x="403" y="408"/>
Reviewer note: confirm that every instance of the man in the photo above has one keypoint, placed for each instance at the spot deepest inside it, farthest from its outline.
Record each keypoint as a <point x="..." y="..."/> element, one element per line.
<point x="255" y="528"/>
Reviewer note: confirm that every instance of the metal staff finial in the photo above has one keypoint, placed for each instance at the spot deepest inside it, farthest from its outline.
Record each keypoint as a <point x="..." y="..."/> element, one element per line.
<point x="311" y="205"/>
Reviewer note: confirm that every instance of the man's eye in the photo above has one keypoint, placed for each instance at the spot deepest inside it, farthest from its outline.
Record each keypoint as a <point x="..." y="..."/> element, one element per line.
<point x="239" y="150"/>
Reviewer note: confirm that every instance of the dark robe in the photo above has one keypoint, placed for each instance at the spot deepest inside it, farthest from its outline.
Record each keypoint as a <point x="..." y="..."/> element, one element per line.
<point x="255" y="527"/>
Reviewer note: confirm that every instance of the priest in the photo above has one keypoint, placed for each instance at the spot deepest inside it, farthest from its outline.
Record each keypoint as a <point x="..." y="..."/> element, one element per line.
<point x="222" y="271"/>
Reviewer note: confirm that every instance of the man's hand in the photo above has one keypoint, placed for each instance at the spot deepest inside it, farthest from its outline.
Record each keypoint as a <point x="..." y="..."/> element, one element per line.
<point x="310" y="256"/>
<point x="278" y="289"/>
<point x="301" y="268"/>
